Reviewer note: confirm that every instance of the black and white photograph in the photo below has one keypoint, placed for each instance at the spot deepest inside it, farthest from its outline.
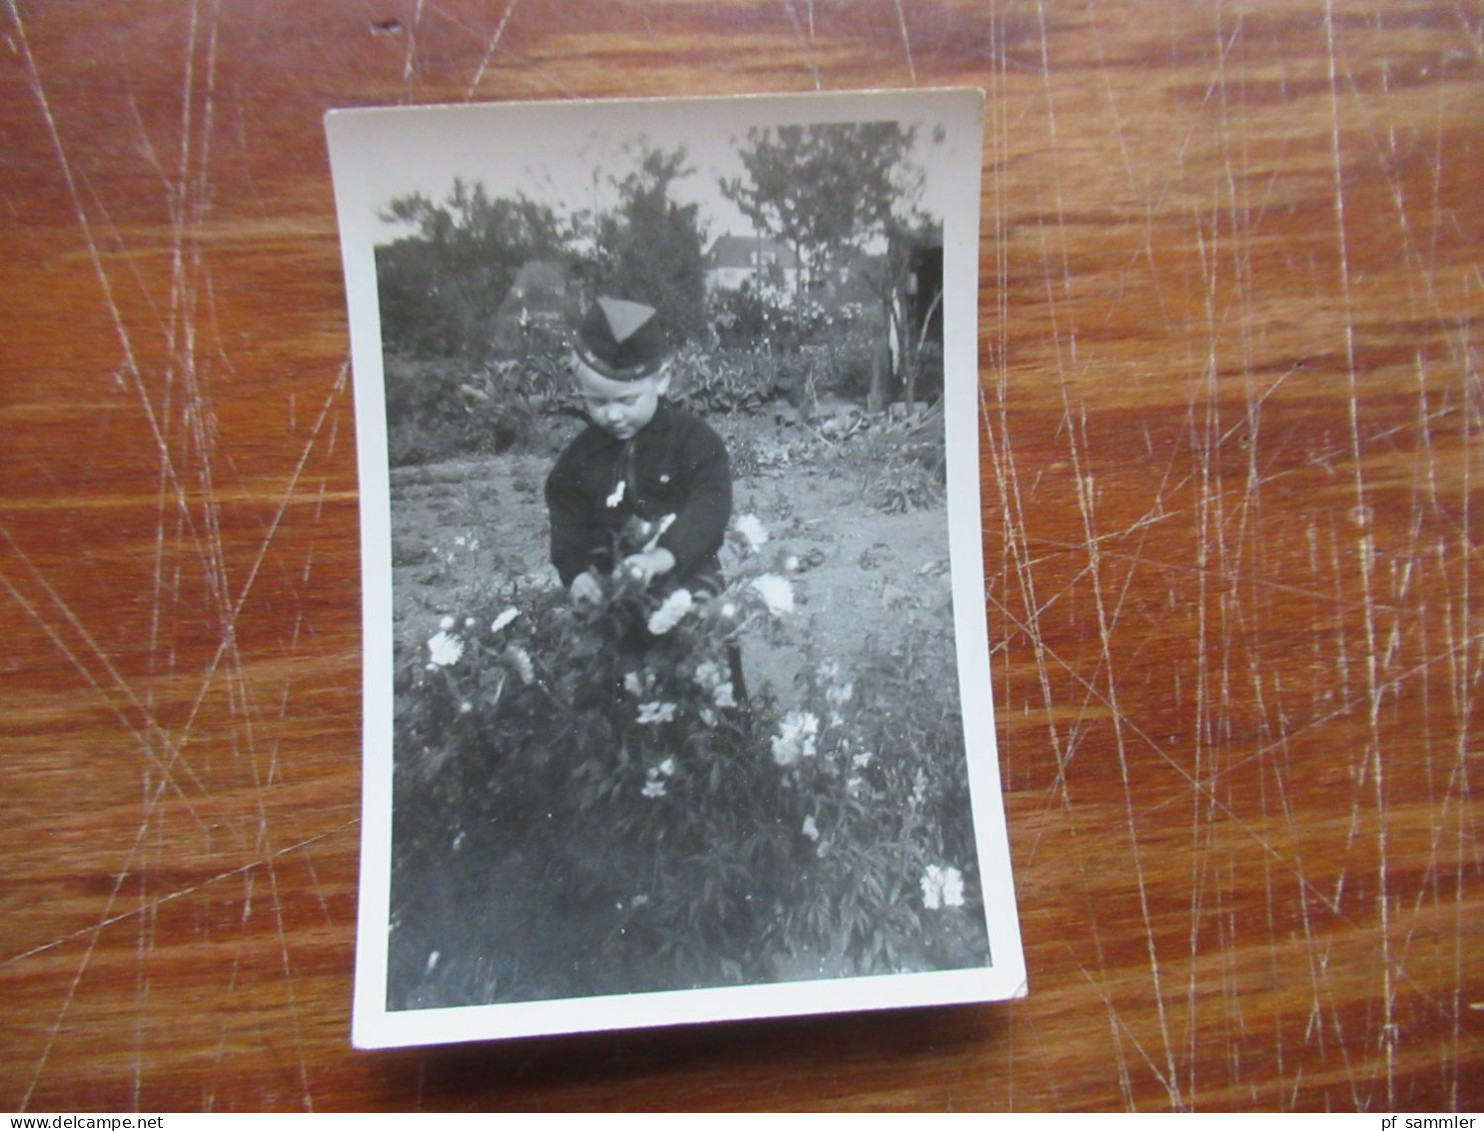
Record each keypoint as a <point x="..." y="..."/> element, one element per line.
<point x="673" y="590"/>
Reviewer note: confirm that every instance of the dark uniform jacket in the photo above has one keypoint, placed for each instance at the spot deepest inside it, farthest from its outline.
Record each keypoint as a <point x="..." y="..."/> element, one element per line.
<point x="674" y="465"/>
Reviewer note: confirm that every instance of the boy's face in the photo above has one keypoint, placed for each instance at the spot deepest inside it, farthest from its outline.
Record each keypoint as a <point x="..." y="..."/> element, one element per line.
<point x="620" y="408"/>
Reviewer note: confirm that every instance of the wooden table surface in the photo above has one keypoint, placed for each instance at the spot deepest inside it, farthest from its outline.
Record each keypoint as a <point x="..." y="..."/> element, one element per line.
<point x="1230" y="370"/>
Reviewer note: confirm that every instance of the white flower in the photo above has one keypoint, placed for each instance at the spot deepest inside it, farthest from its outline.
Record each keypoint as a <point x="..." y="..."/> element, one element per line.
<point x="667" y="767"/>
<point x="522" y="661"/>
<point x="810" y="829"/>
<point x="632" y="684"/>
<point x="840" y="693"/>
<point x="446" y="623"/>
<point x="723" y="696"/>
<point x="777" y="593"/>
<point x="668" y="615"/>
<point x="617" y="497"/>
<point x="942" y="887"/>
<point x="862" y="760"/>
<point x="729" y="610"/>
<point x="444" y="650"/>
<point x="465" y="707"/>
<point x="468" y="622"/>
<point x="791" y="564"/>
<point x="504" y="618"/>
<point x="653" y="788"/>
<point x="853" y="784"/>
<point x="795" y="738"/>
<point x="752" y="530"/>
<point x="656" y="712"/>
<point x="710" y="675"/>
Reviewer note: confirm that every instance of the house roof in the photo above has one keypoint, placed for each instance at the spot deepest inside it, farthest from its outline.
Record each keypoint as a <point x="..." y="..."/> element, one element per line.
<point x="540" y="274"/>
<point x="742" y="251"/>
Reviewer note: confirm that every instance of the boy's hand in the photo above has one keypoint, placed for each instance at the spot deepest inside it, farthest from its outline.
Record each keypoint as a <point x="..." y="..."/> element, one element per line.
<point x="586" y="589"/>
<point x="647" y="566"/>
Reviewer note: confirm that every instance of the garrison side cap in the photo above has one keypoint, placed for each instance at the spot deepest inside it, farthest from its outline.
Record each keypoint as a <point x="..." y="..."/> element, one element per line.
<point x="622" y="340"/>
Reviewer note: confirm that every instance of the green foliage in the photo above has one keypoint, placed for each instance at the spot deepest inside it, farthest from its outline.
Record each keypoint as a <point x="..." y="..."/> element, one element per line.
<point x="829" y="189"/>
<point x="443" y="287"/>
<point x="440" y="288"/>
<point x="901" y="464"/>
<point x="826" y="187"/>
<point x="800" y="350"/>
<point x="741" y="380"/>
<point x="688" y="835"/>
<point x="911" y="296"/>
<point x="439" y="409"/>
<point x="884" y="799"/>
<point x="724" y="381"/>
<point x="758" y="318"/>
<point x="649" y="248"/>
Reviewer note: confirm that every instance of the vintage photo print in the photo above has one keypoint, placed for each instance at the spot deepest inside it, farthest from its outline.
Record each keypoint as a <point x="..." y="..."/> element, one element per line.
<point x="677" y="693"/>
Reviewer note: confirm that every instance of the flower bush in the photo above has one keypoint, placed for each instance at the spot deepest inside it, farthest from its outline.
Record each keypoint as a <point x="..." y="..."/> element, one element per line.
<point x="449" y="407"/>
<point x="696" y="834"/>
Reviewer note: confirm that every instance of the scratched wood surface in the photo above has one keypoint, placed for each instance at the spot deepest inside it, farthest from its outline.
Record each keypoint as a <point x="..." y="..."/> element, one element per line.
<point x="1231" y="398"/>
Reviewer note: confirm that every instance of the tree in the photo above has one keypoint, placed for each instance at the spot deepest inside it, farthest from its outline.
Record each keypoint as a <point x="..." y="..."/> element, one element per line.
<point x="825" y="189"/>
<point x="911" y="298"/>
<point x="441" y="288"/>
<point x="650" y="248"/>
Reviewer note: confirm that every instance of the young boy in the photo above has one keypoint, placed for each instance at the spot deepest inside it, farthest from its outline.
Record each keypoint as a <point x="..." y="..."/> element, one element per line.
<point x="639" y="458"/>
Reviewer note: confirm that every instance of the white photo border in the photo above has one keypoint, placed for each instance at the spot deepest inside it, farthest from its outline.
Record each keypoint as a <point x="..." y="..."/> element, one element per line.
<point x="358" y="140"/>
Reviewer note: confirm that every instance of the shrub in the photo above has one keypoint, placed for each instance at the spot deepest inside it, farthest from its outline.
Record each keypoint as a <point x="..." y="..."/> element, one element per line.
<point x="908" y="477"/>
<point x="772" y="321"/>
<point x="438" y="409"/>
<point x="722" y="381"/>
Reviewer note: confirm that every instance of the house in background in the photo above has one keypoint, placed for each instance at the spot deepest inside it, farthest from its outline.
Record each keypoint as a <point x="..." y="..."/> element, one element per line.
<point x="736" y="260"/>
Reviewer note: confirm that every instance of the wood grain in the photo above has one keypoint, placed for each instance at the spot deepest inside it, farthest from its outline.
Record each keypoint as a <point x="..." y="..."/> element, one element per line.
<point x="1231" y="403"/>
